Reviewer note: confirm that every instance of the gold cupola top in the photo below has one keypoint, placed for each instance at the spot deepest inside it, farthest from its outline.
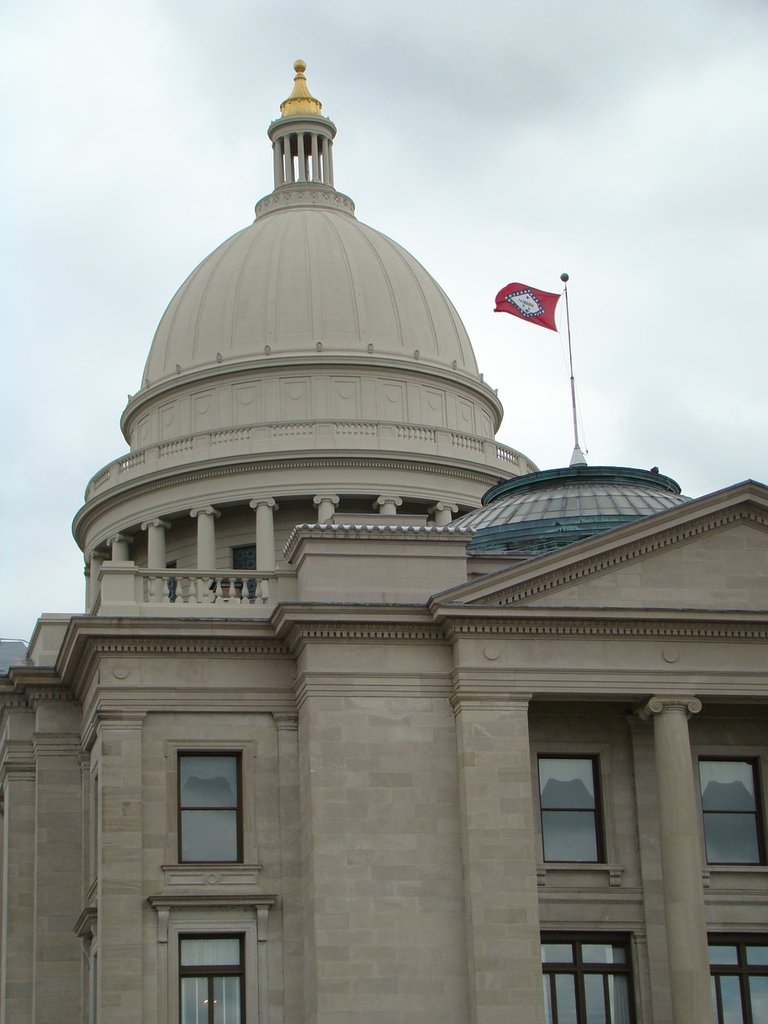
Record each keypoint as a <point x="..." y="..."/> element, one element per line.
<point x="301" y="101"/>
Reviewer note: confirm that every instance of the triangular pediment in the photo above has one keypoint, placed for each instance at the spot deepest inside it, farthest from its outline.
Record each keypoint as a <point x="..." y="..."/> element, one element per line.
<point x="711" y="553"/>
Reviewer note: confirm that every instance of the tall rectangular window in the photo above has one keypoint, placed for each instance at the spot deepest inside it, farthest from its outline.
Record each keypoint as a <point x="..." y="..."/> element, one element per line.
<point x="570" y="809"/>
<point x="587" y="979"/>
<point x="211" y="979"/>
<point x="210" y="808"/>
<point x="730" y="804"/>
<point x="739" y="970"/>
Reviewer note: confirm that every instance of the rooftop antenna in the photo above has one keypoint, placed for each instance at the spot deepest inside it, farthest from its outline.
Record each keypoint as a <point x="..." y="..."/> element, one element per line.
<point x="577" y="458"/>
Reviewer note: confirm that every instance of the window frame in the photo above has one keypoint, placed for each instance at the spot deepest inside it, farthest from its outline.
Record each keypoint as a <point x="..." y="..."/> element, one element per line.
<point x="579" y="969"/>
<point x="238" y="809"/>
<point x="211" y="971"/>
<point x="741" y="970"/>
<point x="599" y="818"/>
<point x="754" y="762"/>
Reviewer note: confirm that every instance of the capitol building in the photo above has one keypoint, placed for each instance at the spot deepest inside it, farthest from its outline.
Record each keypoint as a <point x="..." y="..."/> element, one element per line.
<point x="367" y="718"/>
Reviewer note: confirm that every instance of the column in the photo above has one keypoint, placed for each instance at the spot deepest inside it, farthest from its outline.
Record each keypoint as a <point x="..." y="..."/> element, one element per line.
<point x="289" y="176"/>
<point x="315" y="159"/>
<point x="498" y="840"/>
<point x="443" y="512"/>
<point x="17" y="774"/>
<point x="302" y="157"/>
<point x="277" y="152"/>
<point x="681" y="857"/>
<point x="119" y="544"/>
<point x="58" y="861"/>
<point x="325" y="161"/>
<point x="326" y="506"/>
<point x="119" y="983"/>
<point x="156" y="542"/>
<point x="388" y="504"/>
<point x="265" y="533"/>
<point x="95" y="562"/>
<point x="330" y="163"/>
<point x="206" y="537"/>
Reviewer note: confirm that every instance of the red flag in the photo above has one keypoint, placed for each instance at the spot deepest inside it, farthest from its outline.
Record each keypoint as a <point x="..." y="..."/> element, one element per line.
<point x="528" y="303"/>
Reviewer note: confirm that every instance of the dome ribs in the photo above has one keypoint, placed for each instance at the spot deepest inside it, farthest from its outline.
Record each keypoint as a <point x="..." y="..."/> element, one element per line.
<point x="359" y="320"/>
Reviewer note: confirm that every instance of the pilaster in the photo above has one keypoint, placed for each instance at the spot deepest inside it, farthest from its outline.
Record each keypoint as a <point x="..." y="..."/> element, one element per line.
<point x="119" y="868"/>
<point x="500" y="882"/>
<point x="287" y="726"/>
<point x="681" y="857"/>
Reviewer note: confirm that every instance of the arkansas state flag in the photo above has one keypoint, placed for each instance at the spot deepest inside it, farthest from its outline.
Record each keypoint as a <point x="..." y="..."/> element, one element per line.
<point x="528" y="303"/>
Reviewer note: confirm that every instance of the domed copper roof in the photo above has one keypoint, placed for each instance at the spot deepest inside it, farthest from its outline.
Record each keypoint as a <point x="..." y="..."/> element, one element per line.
<point x="542" y="511"/>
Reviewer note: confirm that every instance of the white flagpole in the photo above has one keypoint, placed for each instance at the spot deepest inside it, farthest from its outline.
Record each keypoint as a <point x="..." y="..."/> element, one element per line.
<point x="577" y="458"/>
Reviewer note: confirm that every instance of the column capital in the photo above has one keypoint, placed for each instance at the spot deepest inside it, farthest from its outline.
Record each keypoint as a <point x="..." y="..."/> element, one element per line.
<point x="443" y="506"/>
<point x="286" y="721"/>
<point x="268" y="502"/>
<point x="388" y="504"/>
<point x="334" y="499"/>
<point x="163" y="523"/>
<point x="658" y="705"/>
<point x="204" y="510"/>
<point x="116" y="538"/>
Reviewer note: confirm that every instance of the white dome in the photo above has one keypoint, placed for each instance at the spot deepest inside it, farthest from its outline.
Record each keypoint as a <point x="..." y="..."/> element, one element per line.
<point x="303" y="279"/>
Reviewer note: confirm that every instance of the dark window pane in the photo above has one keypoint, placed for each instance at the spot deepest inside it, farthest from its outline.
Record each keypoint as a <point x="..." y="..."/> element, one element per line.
<point x="565" y="994"/>
<point x="567" y="782"/>
<point x="569" y="835"/>
<point x="757" y="955"/>
<point x="602" y="953"/>
<point x="727" y="785"/>
<point x="194" y="1001"/>
<point x="244" y="557"/>
<point x="212" y="952"/>
<point x="208" y="781"/>
<point x="730" y="993"/>
<point x="727" y="955"/>
<point x="758" y="994"/>
<point x="731" y="838"/>
<point x="594" y="999"/>
<point x="556" y="953"/>
<point x="209" y="835"/>
<point x="226" y="1001"/>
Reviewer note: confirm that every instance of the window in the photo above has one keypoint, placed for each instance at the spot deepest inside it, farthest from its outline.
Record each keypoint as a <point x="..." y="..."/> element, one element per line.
<point x="210" y="810"/>
<point x="587" y="979"/>
<point x="211" y="979"/>
<point x="244" y="557"/>
<point x="739" y="980"/>
<point x="730" y="803"/>
<point x="569" y="795"/>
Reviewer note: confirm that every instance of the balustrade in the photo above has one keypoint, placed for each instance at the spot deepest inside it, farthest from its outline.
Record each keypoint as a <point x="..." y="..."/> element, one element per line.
<point x="189" y="587"/>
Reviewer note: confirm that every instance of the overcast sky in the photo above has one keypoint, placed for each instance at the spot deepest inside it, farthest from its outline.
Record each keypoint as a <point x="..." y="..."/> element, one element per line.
<point x="623" y="142"/>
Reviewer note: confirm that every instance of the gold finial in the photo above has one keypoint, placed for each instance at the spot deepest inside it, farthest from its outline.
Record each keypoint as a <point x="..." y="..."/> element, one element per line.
<point x="301" y="100"/>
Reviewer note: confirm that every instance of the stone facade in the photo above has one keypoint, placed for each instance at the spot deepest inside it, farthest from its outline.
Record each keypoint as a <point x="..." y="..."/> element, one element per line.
<point x="288" y="767"/>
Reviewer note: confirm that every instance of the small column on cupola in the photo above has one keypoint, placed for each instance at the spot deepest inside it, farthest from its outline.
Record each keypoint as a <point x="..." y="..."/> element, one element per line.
<point x="302" y="139"/>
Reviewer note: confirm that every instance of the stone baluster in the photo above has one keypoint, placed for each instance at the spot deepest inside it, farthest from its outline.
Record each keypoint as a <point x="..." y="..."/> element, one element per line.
<point x="265" y="533"/>
<point x="387" y="504"/>
<point x="326" y="506"/>
<point x="443" y="512"/>
<point x="681" y="857"/>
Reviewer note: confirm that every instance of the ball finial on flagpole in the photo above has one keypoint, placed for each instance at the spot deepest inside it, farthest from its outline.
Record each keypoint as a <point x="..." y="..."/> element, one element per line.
<point x="564" y="277"/>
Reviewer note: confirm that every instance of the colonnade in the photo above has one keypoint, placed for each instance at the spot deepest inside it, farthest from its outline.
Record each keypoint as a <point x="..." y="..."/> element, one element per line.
<point x="205" y="516"/>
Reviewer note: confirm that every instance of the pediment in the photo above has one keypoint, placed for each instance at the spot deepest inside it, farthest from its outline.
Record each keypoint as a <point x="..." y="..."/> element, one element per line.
<point x="711" y="553"/>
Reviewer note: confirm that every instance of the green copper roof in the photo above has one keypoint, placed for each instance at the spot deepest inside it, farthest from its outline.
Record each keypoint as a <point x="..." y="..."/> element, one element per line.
<point x="547" y="510"/>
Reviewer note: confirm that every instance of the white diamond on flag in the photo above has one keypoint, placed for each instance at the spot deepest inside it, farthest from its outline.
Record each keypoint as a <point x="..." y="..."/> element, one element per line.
<point x="526" y="302"/>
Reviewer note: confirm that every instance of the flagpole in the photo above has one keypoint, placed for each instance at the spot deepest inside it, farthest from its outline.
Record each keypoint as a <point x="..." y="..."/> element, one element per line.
<point x="564" y="278"/>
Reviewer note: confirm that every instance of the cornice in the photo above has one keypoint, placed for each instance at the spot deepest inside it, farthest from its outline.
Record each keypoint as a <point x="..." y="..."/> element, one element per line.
<point x="584" y="568"/>
<point x="362" y="531"/>
<point x="233" y="465"/>
<point x="655" y="624"/>
<point x="297" y="624"/>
